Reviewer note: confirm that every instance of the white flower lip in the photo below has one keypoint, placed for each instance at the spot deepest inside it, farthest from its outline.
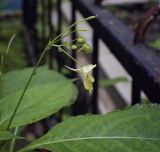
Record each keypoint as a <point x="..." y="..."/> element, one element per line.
<point x="88" y="68"/>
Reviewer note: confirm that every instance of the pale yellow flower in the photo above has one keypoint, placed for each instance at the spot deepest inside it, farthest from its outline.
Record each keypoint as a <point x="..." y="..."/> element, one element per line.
<point x="86" y="73"/>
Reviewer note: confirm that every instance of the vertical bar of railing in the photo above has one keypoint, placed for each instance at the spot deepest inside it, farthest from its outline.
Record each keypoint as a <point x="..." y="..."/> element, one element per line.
<point x="43" y="22"/>
<point x="51" y="28"/>
<point x="43" y="15"/>
<point x="58" y="55"/>
<point x="81" y="105"/>
<point x="136" y="93"/>
<point x="74" y="35"/>
<point x="29" y="21"/>
<point x="59" y="12"/>
<point x="51" y="32"/>
<point x="35" y="39"/>
<point x="94" y="103"/>
<point x="59" y="25"/>
<point x="44" y="122"/>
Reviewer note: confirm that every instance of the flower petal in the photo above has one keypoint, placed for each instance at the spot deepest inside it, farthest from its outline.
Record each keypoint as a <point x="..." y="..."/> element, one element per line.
<point x="86" y="73"/>
<point x="88" y="68"/>
<point x="88" y="82"/>
<point x="75" y="70"/>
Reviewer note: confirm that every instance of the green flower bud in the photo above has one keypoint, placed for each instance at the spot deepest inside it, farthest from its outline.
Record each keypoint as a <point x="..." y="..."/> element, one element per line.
<point x="73" y="47"/>
<point x="86" y="48"/>
<point x="81" y="40"/>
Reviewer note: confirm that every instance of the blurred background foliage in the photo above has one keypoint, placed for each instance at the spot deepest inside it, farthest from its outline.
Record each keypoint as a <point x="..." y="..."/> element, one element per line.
<point x="16" y="57"/>
<point x="10" y="25"/>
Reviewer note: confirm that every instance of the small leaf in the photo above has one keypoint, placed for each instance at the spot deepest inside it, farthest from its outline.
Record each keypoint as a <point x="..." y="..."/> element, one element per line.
<point x="111" y="82"/>
<point x="155" y="44"/>
<point x="134" y="129"/>
<point x="73" y="47"/>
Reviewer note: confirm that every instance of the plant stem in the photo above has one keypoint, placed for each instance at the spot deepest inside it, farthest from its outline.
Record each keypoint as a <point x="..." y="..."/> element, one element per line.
<point x="25" y="89"/>
<point x="81" y="21"/>
<point x="66" y="53"/>
<point x="70" y="27"/>
<point x="58" y="38"/>
<point x="3" y="59"/>
<point x="13" y="142"/>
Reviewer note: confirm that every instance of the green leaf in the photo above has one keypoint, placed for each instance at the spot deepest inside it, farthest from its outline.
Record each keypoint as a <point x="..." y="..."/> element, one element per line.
<point x="47" y="94"/>
<point x="5" y="135"/>
<point x="111" y="82"/>
<point x="16" y="80"/>
<point x="135" y="129"/>
<point x="155" y="44"/>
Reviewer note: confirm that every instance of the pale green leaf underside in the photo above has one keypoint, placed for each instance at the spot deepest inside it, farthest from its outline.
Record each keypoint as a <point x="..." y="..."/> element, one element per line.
<point x="133" y="130"/>
<point x="5" y="135"/>
<point x="48" y="93"/>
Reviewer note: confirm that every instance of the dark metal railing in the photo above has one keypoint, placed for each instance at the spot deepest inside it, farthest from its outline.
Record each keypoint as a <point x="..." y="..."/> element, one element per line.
<point x="141" y="62"/>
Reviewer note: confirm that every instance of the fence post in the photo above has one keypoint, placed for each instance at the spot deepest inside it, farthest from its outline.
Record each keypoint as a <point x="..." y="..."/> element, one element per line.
<point x="136" y="93"/>
<point x="51" y="32"/>
<point x="74" y="35"/>
<point x="59" y="25"/>
<point x="94" y="103"/>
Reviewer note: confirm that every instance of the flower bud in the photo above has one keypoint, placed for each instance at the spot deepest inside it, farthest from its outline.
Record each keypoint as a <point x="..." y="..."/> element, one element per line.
<point x="86" y="48"/>
<point x="73" y="47"/>
<point x="81" y="40"/>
